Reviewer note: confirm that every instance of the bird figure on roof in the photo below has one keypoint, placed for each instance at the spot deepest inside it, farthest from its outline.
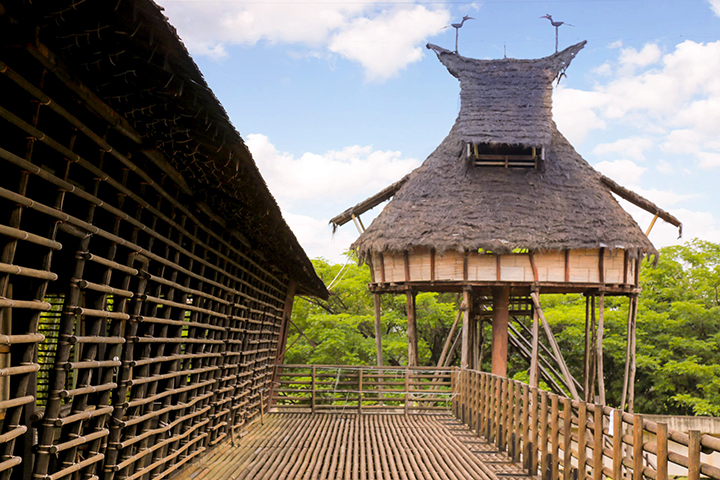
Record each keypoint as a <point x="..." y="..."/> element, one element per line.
<point x="457" y="27"/>
<point x="557" y="26"/>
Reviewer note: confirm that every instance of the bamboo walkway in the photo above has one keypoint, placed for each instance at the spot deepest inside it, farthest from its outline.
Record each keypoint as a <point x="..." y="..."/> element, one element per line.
<point x="356" y="447"/>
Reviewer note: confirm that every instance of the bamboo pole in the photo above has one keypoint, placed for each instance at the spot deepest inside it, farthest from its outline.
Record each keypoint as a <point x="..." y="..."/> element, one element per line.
<point x="628" y="350"/>
<point x="412" y="329"/>
<point x="534" y="381"/>
<point x="464" y="353"/>
<point x="599" y="347"/>
<point x="556" y="349"/>
<point x="378" y="328"/>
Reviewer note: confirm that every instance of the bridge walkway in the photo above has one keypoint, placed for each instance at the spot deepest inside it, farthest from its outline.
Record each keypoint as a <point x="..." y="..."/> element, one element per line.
<point x="356" y="447"/>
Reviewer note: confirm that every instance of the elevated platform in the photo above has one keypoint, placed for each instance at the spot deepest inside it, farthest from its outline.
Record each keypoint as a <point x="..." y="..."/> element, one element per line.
<point x="357" y="447"/>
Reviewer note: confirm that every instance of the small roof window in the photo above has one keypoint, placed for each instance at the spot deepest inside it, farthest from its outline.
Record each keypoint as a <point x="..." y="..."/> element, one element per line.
<point x="507" y="156"/>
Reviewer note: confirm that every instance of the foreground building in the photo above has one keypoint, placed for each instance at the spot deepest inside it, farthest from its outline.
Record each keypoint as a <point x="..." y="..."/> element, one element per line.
<point x="146" y="273"/>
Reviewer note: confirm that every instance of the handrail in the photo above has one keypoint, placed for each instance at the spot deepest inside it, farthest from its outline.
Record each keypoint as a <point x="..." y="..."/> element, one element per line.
<point x="348" y="389"/>
<point x="556" y="436"/>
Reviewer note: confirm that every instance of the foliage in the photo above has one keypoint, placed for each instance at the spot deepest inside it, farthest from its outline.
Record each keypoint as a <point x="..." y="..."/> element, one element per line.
<point x="343" y="329"/>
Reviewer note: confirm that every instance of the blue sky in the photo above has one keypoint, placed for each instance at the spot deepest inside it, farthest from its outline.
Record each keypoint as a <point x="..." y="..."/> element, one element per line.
<point x="338" y="99"/>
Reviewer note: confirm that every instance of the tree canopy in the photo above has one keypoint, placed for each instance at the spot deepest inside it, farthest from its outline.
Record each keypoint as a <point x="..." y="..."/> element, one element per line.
<point x="678" y="329"/>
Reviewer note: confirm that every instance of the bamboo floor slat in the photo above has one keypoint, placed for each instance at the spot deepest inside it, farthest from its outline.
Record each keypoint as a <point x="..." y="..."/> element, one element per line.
<point x="355" y="447"/>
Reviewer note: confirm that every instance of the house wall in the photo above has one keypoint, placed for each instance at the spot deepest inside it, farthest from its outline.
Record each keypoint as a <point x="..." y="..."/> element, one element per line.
<point x="581" y="266"/>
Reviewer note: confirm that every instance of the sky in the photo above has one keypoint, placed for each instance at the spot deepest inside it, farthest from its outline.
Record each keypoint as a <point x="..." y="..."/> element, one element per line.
<point x="338" y="99"/>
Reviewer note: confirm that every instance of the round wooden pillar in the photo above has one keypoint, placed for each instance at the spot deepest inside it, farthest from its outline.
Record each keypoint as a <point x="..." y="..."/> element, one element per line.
<point x="501" y="315"/>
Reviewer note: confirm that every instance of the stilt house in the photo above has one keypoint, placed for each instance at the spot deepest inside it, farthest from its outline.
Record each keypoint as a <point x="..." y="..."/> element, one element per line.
<point x="146" y="273"/>
<point x="503" y="210"/>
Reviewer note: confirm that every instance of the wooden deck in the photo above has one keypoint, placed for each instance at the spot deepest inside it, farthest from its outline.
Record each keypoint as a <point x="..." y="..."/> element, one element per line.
<point x="356" y="447"/>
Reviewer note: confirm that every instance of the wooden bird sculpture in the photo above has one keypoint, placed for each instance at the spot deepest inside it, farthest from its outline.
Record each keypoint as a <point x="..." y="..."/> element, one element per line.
<point x="457" y="27"/>
<point x="554" y="24"/>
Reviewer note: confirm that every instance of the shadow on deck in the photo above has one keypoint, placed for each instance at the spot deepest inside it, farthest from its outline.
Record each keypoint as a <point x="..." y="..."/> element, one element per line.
<point x="358" y="447"/>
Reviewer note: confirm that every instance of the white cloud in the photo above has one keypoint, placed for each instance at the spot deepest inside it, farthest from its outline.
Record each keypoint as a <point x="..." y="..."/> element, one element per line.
<point x="333" y="176"/>
<point x="383" y="40"/>
<point x="326" y="184"/>
<point x="575" y="112"/>
<point x="633" y="148"/>
<point x="622" y="171"/>
<point x="664" y="167"/>
<point x="715" y="5"/>
<point x="387" y="44"/>
<point x="631" y="58"/>
<point x="709" y="159"/>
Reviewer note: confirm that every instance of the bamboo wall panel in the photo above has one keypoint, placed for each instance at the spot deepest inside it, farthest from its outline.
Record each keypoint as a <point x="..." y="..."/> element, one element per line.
<point x="157" y="331"/>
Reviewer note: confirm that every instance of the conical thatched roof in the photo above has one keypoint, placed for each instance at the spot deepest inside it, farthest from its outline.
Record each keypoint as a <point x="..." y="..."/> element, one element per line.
<point x="450" y="204"/>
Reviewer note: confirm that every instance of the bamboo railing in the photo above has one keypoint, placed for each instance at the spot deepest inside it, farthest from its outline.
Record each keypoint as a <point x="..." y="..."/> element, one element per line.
<point x="557" y="437"/>
<point x="335" y="388"/>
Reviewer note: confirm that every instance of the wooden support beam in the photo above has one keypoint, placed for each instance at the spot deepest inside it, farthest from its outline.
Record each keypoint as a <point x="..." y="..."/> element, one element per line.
<point x="369" y="203"/>
<point x="378" y="328"/>
<point x="555" y="348"/>
<point x="448" y="340"/>
<point x="633" y="359"/>
<point x="599" y="349"/>
<point x="535" y="350"/>
<point x="412" y="330"/>
<point x="628" y="348"/>
<point x="464" y="352"/>
<point x="432" y="264"/>
<point x="501" y="317"/>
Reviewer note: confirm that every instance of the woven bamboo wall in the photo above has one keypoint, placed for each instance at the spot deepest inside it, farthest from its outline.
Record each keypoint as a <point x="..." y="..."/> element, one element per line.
<point x="571" y="267"/>
<point x="156" y="330"/>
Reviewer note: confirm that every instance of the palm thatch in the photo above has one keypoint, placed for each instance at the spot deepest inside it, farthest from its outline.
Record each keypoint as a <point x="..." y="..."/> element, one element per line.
<point x="449" y="204"/>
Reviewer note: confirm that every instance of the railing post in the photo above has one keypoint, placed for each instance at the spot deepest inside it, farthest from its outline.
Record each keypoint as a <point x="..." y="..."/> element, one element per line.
<point x="598" y="436"/>
<point x="407" y="389"/>
<point x="360" y="391"/>
<point x="637" y="447"/>
<point x="515" y="423"/>
<point x="525" y="426"/>
<point x="693" y="455"/>
<point x="567" y="438"/>
<point x="662" y="451"/>
<point x="582" y="439"/>
<point x="533" y="444"/>
<point x="617" y="442"/>
<point x="554" y="437"/>
<point x="312" y="387"/>
<point x="543" y="433"/>
<point x="499" y="414"/>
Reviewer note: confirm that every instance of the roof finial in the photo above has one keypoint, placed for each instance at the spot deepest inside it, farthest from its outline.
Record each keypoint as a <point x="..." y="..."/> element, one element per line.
<point x="457" y="27"/>
<point x="554" y="24"/>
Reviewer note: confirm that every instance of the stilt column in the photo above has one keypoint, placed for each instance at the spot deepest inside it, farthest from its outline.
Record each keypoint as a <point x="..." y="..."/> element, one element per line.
<point x="412" y="330"/>
<point x="501" y="303"/>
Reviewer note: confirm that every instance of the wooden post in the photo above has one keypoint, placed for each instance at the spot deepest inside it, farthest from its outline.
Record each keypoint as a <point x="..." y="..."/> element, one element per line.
<point x="312" y="386"/>
<point x="532" y="445"/>
<point x="378" y="328"/>
<point x="633" y="352"/>
<point x="662" y="451"/>
<point x="598" y="436"/>
<point x="360" y="391"/>
<point x="465" y="353"/>
<point x="554" y="437"/>
<point x="693" y="455"/>
<point x="555" y="348"/>
<point x="534" y="377"/>
<point x="412" y="330"/>
<point x="543" y="433"/>
<point x="582" y="439"/>
<point x="637" y="447"/>
<point x="407" y="389"/>
<point x="590" y="394"/>
<point x="599" y="346"/>
<point x="588" y="351"/>
<point x="567" y="438"/>
<point x="501" y="303"/>
<point x="628" y="349"/>
<point x="617" y="433"/>
<point x="448" y="340"/>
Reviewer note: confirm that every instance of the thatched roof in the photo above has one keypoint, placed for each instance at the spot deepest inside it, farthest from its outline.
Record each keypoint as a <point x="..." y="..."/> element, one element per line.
<point x="506" y="101"/>
<point x="449" y="204"/>
<point x="130" y="58"/>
